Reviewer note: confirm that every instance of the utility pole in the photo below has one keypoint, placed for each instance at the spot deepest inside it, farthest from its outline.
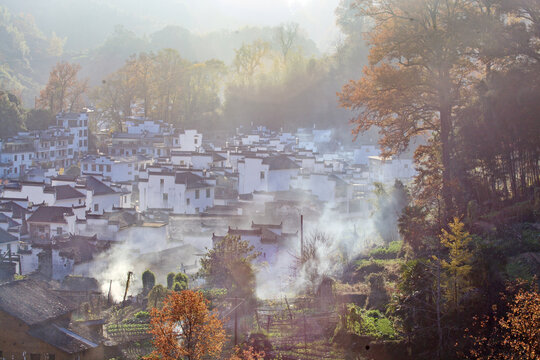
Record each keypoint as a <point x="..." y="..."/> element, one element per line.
<point x="235" y="321"/>
<point x="109" y="293"/>
<point x="127" y="285"/>
<point x="301" y="238"/>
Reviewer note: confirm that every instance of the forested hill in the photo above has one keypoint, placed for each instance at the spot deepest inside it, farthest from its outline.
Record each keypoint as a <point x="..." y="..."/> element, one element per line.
<point x="100" y="38"/>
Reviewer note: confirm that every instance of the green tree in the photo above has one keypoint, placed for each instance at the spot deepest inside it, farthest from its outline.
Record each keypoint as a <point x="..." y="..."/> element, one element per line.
<point x="228" y="265"/>
<point x="149" y="280"/>
<point x="39" y="119"/>
<point x="170" y="280"/>
<point x="156" y="296"/>
<point x="12" y="116"/>
<point x="181" y="279"/>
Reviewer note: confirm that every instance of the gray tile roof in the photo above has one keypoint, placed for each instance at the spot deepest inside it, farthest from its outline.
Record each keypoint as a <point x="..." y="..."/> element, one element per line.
<point x="33" y="301"/>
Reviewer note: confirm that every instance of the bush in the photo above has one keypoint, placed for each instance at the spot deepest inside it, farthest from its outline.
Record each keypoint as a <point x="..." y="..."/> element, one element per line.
<point x="363" y="322"/>
<point x="387" y="252"/>
<point x="142" y="315"/>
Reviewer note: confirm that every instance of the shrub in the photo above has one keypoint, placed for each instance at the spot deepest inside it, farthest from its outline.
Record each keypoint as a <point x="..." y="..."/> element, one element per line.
<point x="387" y="252"/>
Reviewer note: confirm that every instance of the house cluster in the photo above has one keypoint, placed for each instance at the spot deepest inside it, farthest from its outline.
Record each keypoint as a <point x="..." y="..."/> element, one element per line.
<point x="55" y="148"/>
<point x="165" y="194"/>
<point x="150" y="170"/>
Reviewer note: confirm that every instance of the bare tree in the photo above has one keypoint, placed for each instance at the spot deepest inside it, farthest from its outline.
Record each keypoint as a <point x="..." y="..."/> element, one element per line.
<point x="286" y="36"/>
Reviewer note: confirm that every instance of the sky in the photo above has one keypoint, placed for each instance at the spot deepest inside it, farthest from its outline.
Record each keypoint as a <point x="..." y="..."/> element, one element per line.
<point x="316" y="17"/>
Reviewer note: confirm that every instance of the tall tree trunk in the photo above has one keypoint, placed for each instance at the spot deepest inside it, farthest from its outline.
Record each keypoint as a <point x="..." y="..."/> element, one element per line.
<point x="446" y="146"/>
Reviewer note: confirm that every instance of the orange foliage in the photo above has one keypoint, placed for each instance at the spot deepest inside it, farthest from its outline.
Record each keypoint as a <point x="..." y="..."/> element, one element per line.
<point x="514" y="336"/>
<point x="247" y="354"/>
<point x="184" y="328"/>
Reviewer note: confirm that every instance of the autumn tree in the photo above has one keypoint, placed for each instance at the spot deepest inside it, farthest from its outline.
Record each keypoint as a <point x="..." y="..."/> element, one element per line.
<point x="184" y="328"/>
<point x="514" y="335"/>
<point x="248" y="59"/>
<point x="458" y="266"/>
<point x="63" y="91"/>
<point x="419" y="71"/>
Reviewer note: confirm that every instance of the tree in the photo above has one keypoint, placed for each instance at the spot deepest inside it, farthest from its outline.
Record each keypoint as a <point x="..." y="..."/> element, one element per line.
<point x="514" y="335"/>
<point x="458" y="267"/>
<point x="11" y="115"/>
<point x="181" y="279"/>
<point x="179" y="286"/>
<point x="184" y="328"/>
<point x="156" y="296"/>
<point x="248" y="59"/>
<point x="286" y="36"/>
<point x="170" y="280"/>
<point x="420" y="67"/>
<point x="39" y="119"/>
<point x="63" y="90"/>
<point x="149" y="280"/>
<point x="228" y="265"/>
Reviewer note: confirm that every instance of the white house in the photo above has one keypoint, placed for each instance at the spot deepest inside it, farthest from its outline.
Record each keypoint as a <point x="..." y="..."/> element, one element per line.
<point x="387" y="170"/>
<point x="49" y="221"/>
<point x="77" y="125"/>
<point x="361" y="155"/>
<point x="272" y="173"/>
<point x="189" y="140"/>
<point x="116" y="168"/>
<point x="197" y="160"/>
<point x="182" y="192"/>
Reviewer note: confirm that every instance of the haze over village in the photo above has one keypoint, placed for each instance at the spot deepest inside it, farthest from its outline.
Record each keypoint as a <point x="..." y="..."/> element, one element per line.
<point x="285" y="180"/>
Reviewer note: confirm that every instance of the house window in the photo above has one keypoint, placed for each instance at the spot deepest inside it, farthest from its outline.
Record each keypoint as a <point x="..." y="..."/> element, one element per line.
<point x="51" y="356"/>
<point x="207" y="193"/>
<point x="96" y="207"/>
<point x="34" y="356"/>
<point x="15" y="158"/>
<point x="93" y="167"/>
<point x="196" y="141"/>
<point x="80" y="201"/>
<point x="108" y="168"/>
<point x="196" y="194"/>
<point x="70" y="151"/>
<point x="187" y="201"/>
<point x="165" y="197"/>
<point x="196" y="210"/>
<point x="59" y="230"/>
<point x="41" y="229"/>
<point x="22" y="157"/>
<point x="262" y="175"/>
<point x="85" y="167"/>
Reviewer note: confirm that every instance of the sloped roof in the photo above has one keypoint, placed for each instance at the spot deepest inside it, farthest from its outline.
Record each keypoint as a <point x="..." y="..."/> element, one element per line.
<point x="15" y="208"/>
<point x="33" y="301"/>
<point x="51" y="214"/>
<point x="62" y="338"/>
<point x="67" y="192"/>
<point x="97" y="186"/>
<point x="217" y="157"/>
<point x="190" y="180"/>
<point x="280" y="162"/>
<point x="6" y="237"/>
<point x="6" y="219"/>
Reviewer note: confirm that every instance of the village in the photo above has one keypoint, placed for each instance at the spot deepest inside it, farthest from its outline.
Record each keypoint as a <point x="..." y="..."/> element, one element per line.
<point x="86" y="224"/>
